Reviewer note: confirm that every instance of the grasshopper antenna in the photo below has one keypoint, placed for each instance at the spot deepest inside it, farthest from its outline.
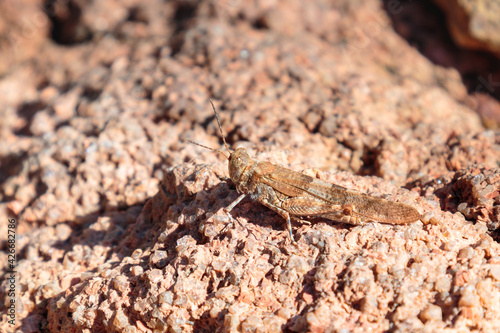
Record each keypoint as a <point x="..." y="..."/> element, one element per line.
<point x="221" y="132"/>
<point x="206" y="147"/>
<point x="220" y="128"/>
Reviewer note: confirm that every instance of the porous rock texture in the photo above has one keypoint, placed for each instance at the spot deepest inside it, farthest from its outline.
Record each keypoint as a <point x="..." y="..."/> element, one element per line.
<point x="121" y="223"/>
<point x="473" y="23"/>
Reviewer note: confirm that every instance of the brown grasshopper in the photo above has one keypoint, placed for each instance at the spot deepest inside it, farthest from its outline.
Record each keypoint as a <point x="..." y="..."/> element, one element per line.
<point x="294" y="195"/>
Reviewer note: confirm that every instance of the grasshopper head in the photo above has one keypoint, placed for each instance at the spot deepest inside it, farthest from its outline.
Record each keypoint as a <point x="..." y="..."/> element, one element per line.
<point x="237" y="163"/>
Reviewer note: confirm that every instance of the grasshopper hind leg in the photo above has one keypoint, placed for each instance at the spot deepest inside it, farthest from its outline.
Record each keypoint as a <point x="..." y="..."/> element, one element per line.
<point x="286" y="216"/>
<point x="289" y="226"/>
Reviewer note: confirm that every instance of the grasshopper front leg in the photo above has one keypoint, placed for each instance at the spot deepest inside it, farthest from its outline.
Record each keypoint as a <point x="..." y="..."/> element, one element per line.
<point x="228" y="209"/>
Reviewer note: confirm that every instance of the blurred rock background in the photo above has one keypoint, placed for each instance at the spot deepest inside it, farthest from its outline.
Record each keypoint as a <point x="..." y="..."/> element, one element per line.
<point x="120" y="222"/>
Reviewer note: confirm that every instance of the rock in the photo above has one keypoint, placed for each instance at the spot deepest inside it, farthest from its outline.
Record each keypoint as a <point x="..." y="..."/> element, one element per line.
<point x="474" y="25"/>
<point x="120" y="221"/>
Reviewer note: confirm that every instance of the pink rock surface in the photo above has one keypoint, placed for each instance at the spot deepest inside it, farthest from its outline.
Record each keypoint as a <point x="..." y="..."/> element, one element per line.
<point x="121" y="225"/>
